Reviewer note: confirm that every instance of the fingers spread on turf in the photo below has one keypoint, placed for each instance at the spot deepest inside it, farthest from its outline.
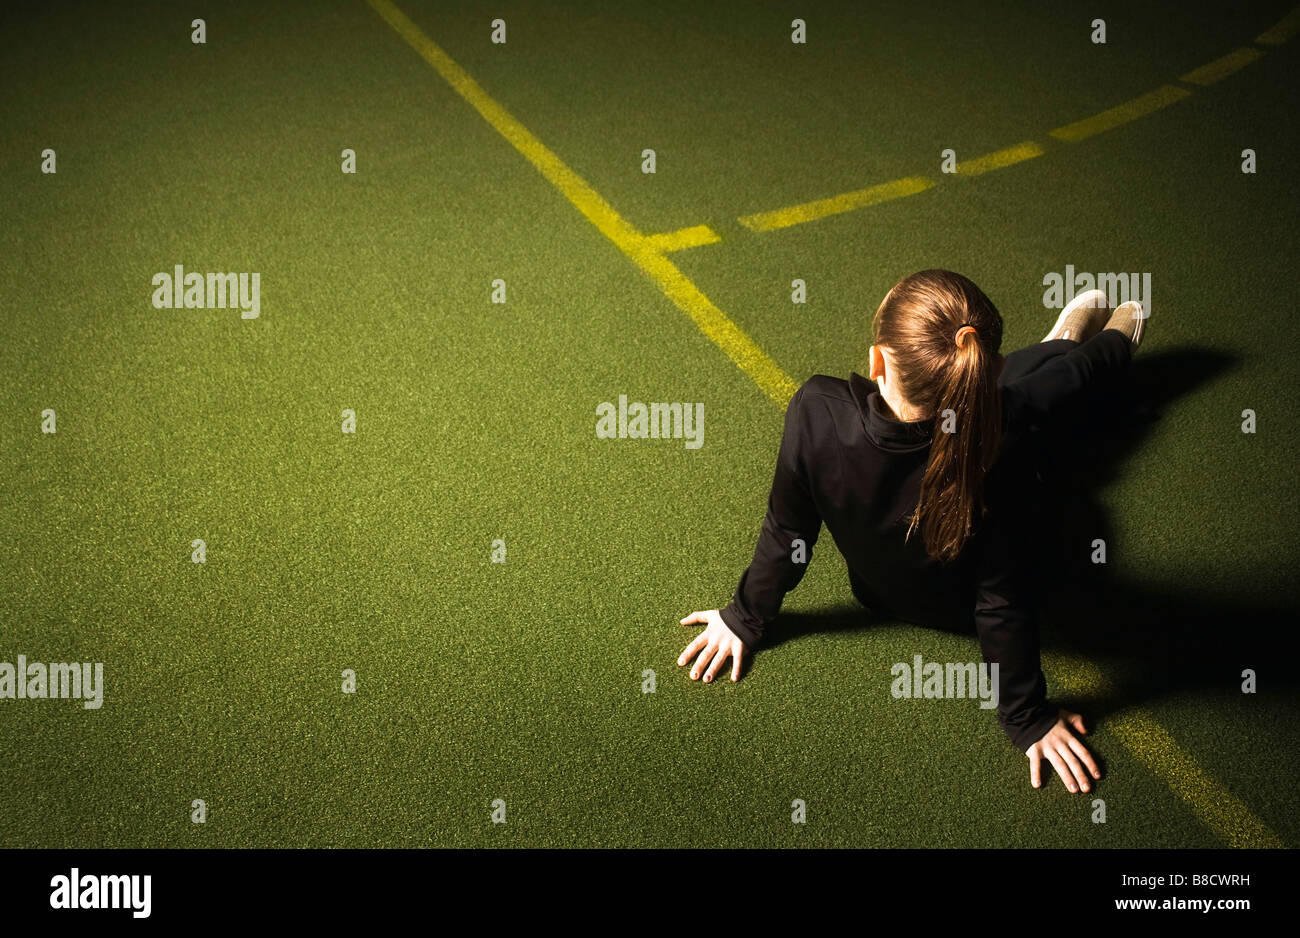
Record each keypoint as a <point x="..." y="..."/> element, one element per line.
<point x="1035" y="767"/>
<point x="1076" y="721"/>
<point x="695" y="617"/>
<point x="736" y="654"/>
<point x="1067" y="779"/>
<point x="698" y="668"/>
<point x="1077" y="773"/>
<point x="1085" y="757"/>
<point x="691" y="649"/>
<point x="719" y="659"/>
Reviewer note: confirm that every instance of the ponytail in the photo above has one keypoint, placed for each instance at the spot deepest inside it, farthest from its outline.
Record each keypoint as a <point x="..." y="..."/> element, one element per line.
<point x="967" y="429"/>
<point x="944" y="334"/>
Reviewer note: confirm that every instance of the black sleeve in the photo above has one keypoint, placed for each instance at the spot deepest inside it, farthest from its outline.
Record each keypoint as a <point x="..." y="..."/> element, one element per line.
<point x="1068" y="379"/>
<point x="1008" y="637"/>
<point x="791" y="515"/>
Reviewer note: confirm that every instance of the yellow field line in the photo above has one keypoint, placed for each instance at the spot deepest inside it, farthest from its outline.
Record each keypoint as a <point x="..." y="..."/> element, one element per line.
<point x="797" y="214"/>
<point x="1282" y="30"/>
<point x="643" y="252"/>
<point x="1071" y="133"/>
<point x="1222" y="68"/>
<point x="1121" y="114"/>
<point x="683" y="239"/>
<point x="1212" y="803"/>
<point x="1000" y="158"/>
<point x="1140" y="732"/>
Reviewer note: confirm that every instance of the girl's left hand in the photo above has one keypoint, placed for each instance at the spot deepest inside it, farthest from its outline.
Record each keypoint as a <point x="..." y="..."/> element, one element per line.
<point x="715" y="645"/>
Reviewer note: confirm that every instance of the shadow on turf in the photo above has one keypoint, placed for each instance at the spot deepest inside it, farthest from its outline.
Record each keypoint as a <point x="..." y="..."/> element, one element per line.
<point x="1149" y="639"/>
<point x="1152" y="639"/>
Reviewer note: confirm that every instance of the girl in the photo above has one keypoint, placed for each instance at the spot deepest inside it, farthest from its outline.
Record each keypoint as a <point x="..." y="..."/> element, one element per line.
<point x="919" y="475"/>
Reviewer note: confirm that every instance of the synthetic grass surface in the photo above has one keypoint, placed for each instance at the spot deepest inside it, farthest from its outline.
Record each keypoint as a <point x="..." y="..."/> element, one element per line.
<point x="522" y="680"/>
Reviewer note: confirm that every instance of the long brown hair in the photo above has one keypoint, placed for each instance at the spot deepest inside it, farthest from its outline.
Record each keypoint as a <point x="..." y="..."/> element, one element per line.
<point x="952" y="379"/>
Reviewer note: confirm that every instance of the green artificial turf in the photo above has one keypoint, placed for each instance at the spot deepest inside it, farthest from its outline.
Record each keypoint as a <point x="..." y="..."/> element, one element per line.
<point x="523" y="680"/>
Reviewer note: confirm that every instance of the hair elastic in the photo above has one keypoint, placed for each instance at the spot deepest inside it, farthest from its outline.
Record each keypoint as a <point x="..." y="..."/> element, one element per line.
<point x="962" y="332"/>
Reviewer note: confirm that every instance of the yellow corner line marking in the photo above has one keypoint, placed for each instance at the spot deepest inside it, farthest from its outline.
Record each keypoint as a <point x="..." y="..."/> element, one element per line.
<point x="1138" y="730"/>
<point x="1121" y="114"/>
<point x="575" y="189"/>
<point x="847" y="202"/>
<point x="683" y="239"/>
<point x="1282" y="30"/>
<point x="1222" y="68"/>
<point x="1000" y="158"/>
<point x="713" y="322"/>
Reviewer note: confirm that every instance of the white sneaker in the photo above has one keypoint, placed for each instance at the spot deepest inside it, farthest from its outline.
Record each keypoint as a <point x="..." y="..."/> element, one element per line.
<point x="1129" y="318"/>
<point x="1083" y="317"/>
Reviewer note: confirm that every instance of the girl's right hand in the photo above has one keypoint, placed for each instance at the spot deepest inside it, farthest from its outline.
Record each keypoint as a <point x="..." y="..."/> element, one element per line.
<point x="1067" y="755"/>
<point x="715" y="645"/>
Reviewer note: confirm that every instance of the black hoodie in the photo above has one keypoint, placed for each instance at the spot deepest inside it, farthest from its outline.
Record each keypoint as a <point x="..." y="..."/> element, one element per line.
<point x="844" y="460"/>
